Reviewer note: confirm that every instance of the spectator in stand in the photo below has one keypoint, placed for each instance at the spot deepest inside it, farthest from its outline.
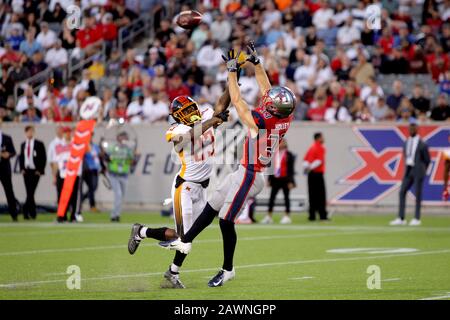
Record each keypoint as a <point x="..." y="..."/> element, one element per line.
<point x="302" y="18"/>
<point x="360" y="112"/>
<point x="37" y="64"/>
<point x="396" y="97"/>
<point x="164" y="32"/>
<point x="418" y="63"/>
<point x="46" y="38"/>
<point x="438" y="62"/>
<point x="177" y="88"/>
<point x="200" y="35"/>
<point x="57" y="59"/>
<point x="348" y="33"/>
<point x="221" y="29"/>
<point x="9" y="56"/>
<point x="195" y="88"/>
<point x="405" y="111"/>
<point x="322" y="15"/>
<point x="270" y="15"/>
<point x="444" y="82"/>
<point x="381" y="111"/>
<point x="156" y="107"/>
<point x="210" y="91"/>
<point x="90" y="37"/>
<point x="18" y="72"/>
<point x="109" y="31"/>
<point x="363" y="70"/>
<point x="371" y="92"/>
<point x="419" y="101"/>
<point x="209" y="57"/>
<point x="441" y="112"/>
<point x="15" y="38"/>
<point x="29" y="46"/>
<point x="135" y="108"/>
<point x="31" y="115"/>
<point x="27" y="100"/>
<point x="337" y="113"/>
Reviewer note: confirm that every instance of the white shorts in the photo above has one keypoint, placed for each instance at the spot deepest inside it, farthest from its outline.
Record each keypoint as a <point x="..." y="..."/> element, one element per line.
<point x="230" y="196"/>
<point x="189" y="199"/>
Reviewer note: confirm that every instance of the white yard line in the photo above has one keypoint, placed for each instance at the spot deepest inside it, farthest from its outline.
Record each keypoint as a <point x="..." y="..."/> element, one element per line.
<point x="437" y="297"/>
<point x="100" y="226"/>
<point x="123" y="246"/>
<point x="69" y="229"/>
<point x="259" y="265"/>
<point x="301" y="278"/>
<point x="391" y="279"/>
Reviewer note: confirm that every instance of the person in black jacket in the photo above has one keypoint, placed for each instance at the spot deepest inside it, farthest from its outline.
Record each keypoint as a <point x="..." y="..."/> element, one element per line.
<point x="283" y="178"/>
<point x="32" y="159"/>
<point x="7" y="151"/>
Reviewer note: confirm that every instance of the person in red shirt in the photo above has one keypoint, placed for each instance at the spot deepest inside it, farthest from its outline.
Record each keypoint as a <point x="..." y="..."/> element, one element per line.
<point x="314" y="165"/>
<point x="177" y="88"/>
<point x="90" y="36"/>
<point x="283" y="178"/>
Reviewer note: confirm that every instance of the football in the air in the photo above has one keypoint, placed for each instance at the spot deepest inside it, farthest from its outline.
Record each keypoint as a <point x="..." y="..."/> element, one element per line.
<point x="189" y="19"/>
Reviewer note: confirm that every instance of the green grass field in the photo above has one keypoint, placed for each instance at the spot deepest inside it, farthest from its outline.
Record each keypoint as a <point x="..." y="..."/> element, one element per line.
<point x="272" y="262"/>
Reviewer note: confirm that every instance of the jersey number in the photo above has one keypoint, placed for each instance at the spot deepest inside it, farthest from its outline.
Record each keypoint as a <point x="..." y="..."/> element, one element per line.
<point x="274" y="140"/>
<point x="204" y="147"/>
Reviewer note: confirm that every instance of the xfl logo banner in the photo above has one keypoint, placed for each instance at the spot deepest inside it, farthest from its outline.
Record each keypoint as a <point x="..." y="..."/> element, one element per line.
<point x="381" y="164"/>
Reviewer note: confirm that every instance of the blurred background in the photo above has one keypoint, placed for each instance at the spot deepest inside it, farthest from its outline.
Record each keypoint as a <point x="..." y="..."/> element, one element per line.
<point x="360" y="86"/>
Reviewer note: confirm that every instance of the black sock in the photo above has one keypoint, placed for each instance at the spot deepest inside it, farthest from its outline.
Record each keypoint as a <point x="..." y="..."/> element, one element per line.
<point x="229" y="243"/>
<point x="158" y="234"/>
<point x="204" y="220"/>
<point x="179" y="259"/>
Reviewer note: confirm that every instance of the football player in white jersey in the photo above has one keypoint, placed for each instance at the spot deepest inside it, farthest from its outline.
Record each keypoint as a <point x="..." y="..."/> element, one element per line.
<point x="193" y="140"/>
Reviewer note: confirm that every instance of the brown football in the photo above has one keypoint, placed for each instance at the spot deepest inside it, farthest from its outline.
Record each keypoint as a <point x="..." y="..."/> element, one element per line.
<point x="189" y="19"/>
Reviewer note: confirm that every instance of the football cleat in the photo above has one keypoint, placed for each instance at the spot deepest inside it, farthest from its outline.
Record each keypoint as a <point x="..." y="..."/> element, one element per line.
<point x="398" y="222"/>
<point x="173" y="280"/>
<point x="286" y="220"/>
<point x="221" y="277"/>
<point x="267" y="220"/>
<point x="415" y="222"/>
<point x="177" y="244"/>
<point x="135" y="238"/>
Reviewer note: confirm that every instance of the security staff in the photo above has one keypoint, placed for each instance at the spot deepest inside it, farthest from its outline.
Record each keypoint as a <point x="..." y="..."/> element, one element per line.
<point x="32" y="159"/>
<point x="314" y="167"/>
<point x="7" y="151"/>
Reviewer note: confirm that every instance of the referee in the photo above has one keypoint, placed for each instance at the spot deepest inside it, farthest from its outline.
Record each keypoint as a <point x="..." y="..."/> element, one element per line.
<point x="314" y="167"/>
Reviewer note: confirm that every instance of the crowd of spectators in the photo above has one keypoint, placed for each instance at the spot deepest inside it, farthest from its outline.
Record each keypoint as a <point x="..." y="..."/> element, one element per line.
<point x="325" y="51"/>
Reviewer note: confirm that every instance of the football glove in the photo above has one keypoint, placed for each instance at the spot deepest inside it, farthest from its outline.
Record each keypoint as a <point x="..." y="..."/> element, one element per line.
<point x="223" y="115"/>
<point x="232" y="60"/>
<point x="252" y="54"/>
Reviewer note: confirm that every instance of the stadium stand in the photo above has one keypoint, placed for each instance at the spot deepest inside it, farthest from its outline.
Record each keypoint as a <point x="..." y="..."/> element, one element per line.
<point x="325" y="51"/>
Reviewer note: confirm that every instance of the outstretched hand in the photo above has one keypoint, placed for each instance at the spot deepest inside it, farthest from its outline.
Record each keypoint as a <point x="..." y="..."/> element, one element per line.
<point x="252" y="54"/>
<point x="232" y="60"/>
<point x="223" y="116"/>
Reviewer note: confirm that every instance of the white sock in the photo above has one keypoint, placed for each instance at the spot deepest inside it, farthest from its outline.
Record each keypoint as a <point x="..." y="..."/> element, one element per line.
<point x="174" y="268"/>
<point x="143" y="232"/>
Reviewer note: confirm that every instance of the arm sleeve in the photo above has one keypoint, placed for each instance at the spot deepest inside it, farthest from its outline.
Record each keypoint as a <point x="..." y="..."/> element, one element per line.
<point x="21" y="157"/>
<point x="10" y="148"/>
